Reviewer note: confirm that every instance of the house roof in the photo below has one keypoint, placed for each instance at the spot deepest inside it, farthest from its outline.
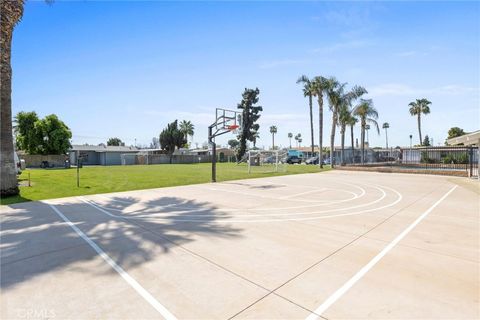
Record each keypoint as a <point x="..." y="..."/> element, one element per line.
<point x="466" y="139"/>
<point x="103" y="148"/>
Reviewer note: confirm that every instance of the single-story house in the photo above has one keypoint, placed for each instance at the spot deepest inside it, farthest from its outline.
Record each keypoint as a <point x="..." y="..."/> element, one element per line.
<point x="100" y="155"/>
<point x="223" y="154"/>
<point x="349" y="155"/>
<point x="470" y="139"/>
<point x="200" y="152"/>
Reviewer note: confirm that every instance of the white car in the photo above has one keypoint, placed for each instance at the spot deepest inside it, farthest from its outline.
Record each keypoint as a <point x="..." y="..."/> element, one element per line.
<point x="17" y="163"/>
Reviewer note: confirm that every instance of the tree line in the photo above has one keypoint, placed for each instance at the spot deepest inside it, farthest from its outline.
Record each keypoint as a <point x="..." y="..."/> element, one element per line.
<point x="44" y="136"/>
<point x="348" y="107"/>
<point x="344" y="113"/>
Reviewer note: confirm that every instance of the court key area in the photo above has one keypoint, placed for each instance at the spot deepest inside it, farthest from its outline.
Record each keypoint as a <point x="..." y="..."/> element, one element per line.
<point x="332" y="245"/>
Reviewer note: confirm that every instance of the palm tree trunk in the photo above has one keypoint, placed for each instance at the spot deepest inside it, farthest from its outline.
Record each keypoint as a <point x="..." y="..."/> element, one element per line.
<point x="342" y="158"/>
<point x="310" y="102"/>
<point x="419" y="128"/>
<point x="290" y="142"/>
<point x="332" y="135"/>
<point x="363" y="142"/>
<point x="11" y="11"/>
<point x="353" y="146"/>
<point x="320" y="130"/>
<point x="273" y="141"/>
<point x="386" y="138"/>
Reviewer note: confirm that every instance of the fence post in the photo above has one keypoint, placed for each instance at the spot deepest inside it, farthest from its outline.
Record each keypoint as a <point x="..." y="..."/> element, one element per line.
<point x="470" y="161"/>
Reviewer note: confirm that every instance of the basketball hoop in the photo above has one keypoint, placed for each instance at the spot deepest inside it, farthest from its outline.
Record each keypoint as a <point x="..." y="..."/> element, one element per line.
<point x="233" y="128"/>
<point x="226" y="121"/>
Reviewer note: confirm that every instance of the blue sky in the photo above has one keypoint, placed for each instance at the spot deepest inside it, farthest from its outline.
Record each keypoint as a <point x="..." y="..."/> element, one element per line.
<point x="126" y="69"/>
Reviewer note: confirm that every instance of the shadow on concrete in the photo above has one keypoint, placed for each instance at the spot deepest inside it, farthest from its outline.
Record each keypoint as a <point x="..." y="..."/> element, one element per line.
<point x="268" y="186"/>
<point x="257" y="186"/>
<point x="35" y="241"/>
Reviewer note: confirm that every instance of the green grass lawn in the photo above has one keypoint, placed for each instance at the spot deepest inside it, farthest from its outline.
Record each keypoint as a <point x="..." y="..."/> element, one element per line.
<point x="57" y="183"/>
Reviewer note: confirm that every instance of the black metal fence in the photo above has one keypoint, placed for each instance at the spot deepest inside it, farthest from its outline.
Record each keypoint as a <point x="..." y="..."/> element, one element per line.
<point x="437" y="159"/>
<point x="447" y="158"/>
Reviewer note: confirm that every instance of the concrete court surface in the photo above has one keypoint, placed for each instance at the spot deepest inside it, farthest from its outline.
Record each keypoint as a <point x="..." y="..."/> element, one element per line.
<point x="333" y="245"/>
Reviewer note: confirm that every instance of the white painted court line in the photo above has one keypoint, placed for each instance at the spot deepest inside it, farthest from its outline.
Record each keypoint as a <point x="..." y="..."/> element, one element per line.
<point x="150" y="214"/>
<point x="302" y="193"/>
<point x="350" y="283"/>
<point x="234" y="219"/>
<point x="131" y="281"/>
<point x="320" y="203"/>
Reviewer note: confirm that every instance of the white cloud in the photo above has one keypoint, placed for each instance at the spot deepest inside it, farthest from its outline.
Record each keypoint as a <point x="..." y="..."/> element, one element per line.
<point x="282" y="117"/>
<point x="397" y="89"/>
<point x="200" y="118"/>
<point x="280" y="63"/>
<point x="349" y="17"/>
<point x="419" y="53"/>
<point x="353" y="44"/>
<point x="408" y="53"/>
<point x="456" y="89"/>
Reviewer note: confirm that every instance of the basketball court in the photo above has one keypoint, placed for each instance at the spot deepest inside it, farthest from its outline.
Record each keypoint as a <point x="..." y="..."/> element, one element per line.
<point x="332" y="245"/>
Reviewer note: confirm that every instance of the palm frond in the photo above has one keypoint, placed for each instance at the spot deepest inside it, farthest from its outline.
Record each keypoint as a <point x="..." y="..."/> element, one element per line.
<point x="303" y="79"/>
<point x="375" y="123"/>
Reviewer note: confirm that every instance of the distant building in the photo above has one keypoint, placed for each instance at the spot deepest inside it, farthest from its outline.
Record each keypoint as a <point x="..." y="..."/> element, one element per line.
<point x="100" y="155"/>
<point x="350" y="156"/>
<point x="223" y="154"/>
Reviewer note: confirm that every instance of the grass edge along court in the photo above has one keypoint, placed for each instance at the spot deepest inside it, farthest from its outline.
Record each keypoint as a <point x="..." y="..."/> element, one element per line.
<point x="60" y="183"/>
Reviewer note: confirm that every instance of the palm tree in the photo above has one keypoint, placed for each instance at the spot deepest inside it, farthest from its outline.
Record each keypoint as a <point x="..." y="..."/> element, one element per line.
<point x="320" y="86"/>
<point x="337" y="97"/>
<point x="11" y="12"/>
<point x="416" y="109"/>
<point x="352" y="120"/>
<point x="298" y="137"/>
<point x="308" y="91"/>
<point x="367" y="114"/>
<point x="385" y="126"/>
<point x="334" y="93"/>
<point x="273" y="131"/>
<point x="367" y="130"/>
<point x="343" y="120"/>
<point x="290" y="136"/>
<point x="187" y="128"/>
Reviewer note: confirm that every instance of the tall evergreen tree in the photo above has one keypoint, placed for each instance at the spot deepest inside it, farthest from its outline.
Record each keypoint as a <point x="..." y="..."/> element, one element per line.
<point x="250" y="115"/>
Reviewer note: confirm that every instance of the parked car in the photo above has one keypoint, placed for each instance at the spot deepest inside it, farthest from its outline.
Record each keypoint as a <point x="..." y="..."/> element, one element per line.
<point x="271" y="159"/>
<point x="294" y="159"/>
<point x="312" y="160"/>
<point x="18" y="163"/>
<point x="327" y="161"/>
